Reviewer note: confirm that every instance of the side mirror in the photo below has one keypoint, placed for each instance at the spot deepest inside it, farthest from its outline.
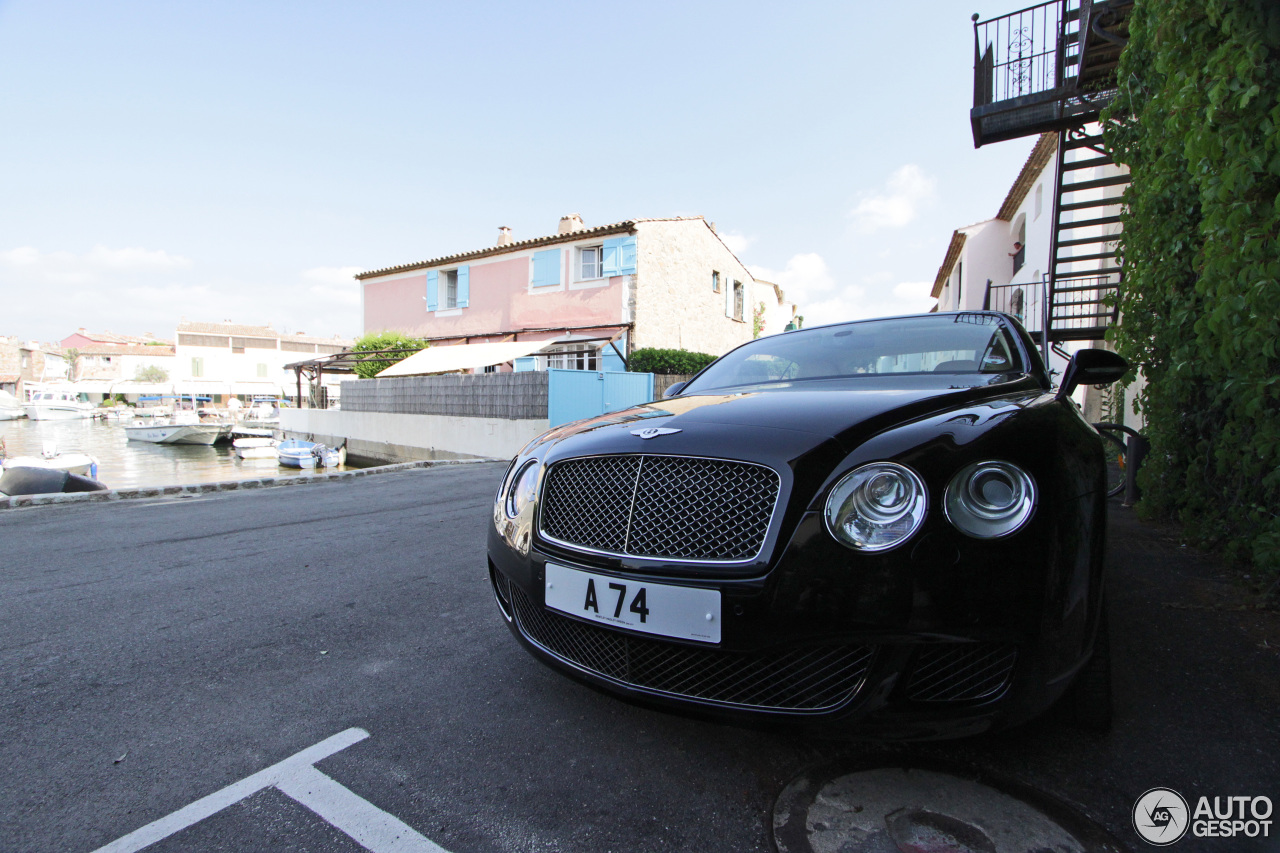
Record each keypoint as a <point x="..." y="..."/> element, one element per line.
<point x="674" y="389"/>
<point x="1091" y="367"/>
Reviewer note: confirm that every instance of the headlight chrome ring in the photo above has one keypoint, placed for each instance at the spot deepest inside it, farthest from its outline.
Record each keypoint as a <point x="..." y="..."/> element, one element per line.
<point x="990" y="499"/>
<point x="523" y="489"/>
<point x="876" y="507"/>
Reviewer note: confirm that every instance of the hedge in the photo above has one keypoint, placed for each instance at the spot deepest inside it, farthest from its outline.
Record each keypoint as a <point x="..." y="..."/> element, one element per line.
<point x="1197" y="121"/>
<point x="651" y="360"/>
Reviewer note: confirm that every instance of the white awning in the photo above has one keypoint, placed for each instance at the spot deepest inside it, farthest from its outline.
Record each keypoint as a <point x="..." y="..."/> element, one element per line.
<point x="147" y="388"/>
<point x="461" y="357"/>
<point x="91" y="386"/>
<point x="261" y="389"/>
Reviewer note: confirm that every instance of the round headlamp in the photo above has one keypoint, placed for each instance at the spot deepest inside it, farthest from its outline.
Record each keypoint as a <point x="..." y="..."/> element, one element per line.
<point x="877" y="506"/>
<point x="524" y="487"/>
<point x="987" y="500"/>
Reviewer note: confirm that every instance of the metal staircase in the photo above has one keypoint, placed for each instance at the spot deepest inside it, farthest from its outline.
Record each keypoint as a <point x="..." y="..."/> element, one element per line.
<point x="1082" y="285"/>
<point x="1052" y="68"/>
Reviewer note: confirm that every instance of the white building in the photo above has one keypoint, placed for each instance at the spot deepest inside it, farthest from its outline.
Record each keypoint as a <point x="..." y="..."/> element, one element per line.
<point x="1002" y="264"/>
<point x="220" y="360"/>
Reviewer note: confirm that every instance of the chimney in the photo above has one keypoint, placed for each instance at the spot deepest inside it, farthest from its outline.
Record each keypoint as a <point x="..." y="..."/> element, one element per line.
<point x="504" y="236"/>
<point x="572" y="222"/>
<point x="713" y="227"/>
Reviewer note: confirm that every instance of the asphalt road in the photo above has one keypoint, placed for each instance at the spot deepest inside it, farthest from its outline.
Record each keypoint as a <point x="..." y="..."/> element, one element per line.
<point x="153" y="652"/>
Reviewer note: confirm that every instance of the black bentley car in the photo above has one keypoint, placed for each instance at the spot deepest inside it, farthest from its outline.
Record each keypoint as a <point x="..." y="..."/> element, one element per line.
<point x="893" y="525"/>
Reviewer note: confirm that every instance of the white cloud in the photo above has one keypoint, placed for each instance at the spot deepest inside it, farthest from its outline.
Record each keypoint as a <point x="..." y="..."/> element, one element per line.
<point x="334" y="285"/>
<point x="737" y="243"/>
<point x="907" y="190"/>
<point x="820" y="299"/>
<point x="134" y="259"/>
<point x="70" y="268"/>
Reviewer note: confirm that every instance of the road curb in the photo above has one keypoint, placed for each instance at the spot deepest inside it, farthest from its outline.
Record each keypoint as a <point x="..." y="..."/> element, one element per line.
<point x="193" y="489"/>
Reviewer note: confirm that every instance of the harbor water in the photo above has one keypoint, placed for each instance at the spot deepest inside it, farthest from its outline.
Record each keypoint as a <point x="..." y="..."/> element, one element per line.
<point x="124" y="464"/>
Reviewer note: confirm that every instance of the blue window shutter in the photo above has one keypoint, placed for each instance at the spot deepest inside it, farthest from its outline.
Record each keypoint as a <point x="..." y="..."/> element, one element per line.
<point x="529" y="362"/>
<point x="611" y="257"/>
<point x="464" y="286"/>
<point x="546" y="268"/>
<point x="619" y="256"/>
<point x="627" y="253"/>
<point x="433" y="287"/>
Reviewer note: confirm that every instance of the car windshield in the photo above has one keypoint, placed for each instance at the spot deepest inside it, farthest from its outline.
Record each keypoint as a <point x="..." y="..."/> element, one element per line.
<point x="939" y="343"/>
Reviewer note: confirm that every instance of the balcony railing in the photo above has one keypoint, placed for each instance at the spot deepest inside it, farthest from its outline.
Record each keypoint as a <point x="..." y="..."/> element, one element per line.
<point x="1024" y="301"/>
<point x="1023" y="53"/>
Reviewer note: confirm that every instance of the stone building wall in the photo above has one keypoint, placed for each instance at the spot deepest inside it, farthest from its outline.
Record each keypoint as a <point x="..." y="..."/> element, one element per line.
<point x="675" y="304"/>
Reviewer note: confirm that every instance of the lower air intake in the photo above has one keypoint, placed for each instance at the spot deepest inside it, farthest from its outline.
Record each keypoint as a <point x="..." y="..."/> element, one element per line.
<point x="961" y="672"/>
<point x="804" y="680"/>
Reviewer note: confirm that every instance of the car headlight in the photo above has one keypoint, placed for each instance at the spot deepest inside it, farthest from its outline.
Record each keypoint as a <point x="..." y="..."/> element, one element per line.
<point x="987" y="500"/>
<point x="877" y="506"/>
<point x="524" y="488"/>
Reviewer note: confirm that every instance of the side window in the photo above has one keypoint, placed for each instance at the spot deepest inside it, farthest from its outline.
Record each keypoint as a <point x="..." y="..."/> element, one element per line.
<point x="715" y="281"/>
<point x="589" y="262"/>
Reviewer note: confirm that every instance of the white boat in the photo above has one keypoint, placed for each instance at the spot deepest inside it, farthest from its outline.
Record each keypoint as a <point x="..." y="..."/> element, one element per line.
<point x="296" y="453"/>
<point x="57" y="405"/>
<point x="255" y="448"/>
<point x="10" y="408"/>
<point x="160" y="432"/>
<point x="50" y="457"/>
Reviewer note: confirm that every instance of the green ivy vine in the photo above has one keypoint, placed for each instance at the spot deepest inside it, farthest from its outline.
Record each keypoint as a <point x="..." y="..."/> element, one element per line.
<point x="1197" y="120"/>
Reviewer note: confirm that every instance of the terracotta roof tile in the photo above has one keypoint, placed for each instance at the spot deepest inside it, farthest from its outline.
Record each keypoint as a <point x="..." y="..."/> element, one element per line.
<point x="598" y="231"/>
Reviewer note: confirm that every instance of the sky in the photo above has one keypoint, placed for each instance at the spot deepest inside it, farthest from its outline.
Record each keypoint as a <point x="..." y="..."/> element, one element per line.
<point x="241" y="161"/>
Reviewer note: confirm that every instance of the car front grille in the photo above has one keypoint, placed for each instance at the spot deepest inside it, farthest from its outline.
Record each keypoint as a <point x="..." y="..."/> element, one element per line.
<point x="961" y="672"/>
<point x="665" y="507"/>
<point x="800" y="680"/>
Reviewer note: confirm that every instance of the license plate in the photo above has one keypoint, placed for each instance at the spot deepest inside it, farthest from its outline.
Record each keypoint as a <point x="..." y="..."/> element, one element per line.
<point x="653" y="608"/>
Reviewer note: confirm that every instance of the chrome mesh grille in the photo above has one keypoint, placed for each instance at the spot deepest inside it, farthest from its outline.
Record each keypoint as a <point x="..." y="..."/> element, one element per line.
<point x="962" y="672"/>
<point x="803" y="680"/>
<point x="660" y="506"/>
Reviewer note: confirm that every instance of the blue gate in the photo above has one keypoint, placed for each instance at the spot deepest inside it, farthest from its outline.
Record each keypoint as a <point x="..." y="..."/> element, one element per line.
<point x="576" y="394"/>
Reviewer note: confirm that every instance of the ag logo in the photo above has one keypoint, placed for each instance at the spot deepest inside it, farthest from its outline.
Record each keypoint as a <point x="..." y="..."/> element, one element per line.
<point x="1160" y="816"/>
<point x="651" y="432"/>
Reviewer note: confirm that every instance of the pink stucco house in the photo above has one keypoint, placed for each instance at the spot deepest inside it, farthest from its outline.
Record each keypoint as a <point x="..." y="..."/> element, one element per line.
<point x="640" y="283"/>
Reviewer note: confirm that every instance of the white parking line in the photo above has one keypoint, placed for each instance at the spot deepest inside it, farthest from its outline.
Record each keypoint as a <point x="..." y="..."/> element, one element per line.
<point x="368" y="825"/>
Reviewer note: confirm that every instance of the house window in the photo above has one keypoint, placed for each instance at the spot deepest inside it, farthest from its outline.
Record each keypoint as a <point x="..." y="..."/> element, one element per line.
<point x="491" y="368"/>
<point x="197" y="367"/>
<point x="737" y="300"/>
<point x="590" y="262"/>
<point x="1039" y="199"/>
<point x="715" y="281"/>
<point x="449" y="289"/>
<point x="262" y="371"/>
<point x="572" y="356"/>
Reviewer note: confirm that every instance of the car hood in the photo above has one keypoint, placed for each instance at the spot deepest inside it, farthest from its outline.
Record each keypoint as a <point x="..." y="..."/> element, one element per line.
<point x="796" y="415"/>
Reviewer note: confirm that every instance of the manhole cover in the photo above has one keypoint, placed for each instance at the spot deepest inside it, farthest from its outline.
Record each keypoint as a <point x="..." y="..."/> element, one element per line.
<point x="914" y="810"/>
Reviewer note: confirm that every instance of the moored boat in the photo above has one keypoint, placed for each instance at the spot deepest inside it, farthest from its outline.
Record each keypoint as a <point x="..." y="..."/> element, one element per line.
<point x="255" y="447"/>
<point x="52" y="459"/>
<point x="296" y="453"/>
<point x="10" y="408"/>
<point x="158" y="432"/>
<point x="57" y="404"/>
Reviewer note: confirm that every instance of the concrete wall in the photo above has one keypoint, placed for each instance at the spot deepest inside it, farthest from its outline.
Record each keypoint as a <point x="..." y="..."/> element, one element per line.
<point x="456" y="416"/>
<point x="383" y="437"/>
